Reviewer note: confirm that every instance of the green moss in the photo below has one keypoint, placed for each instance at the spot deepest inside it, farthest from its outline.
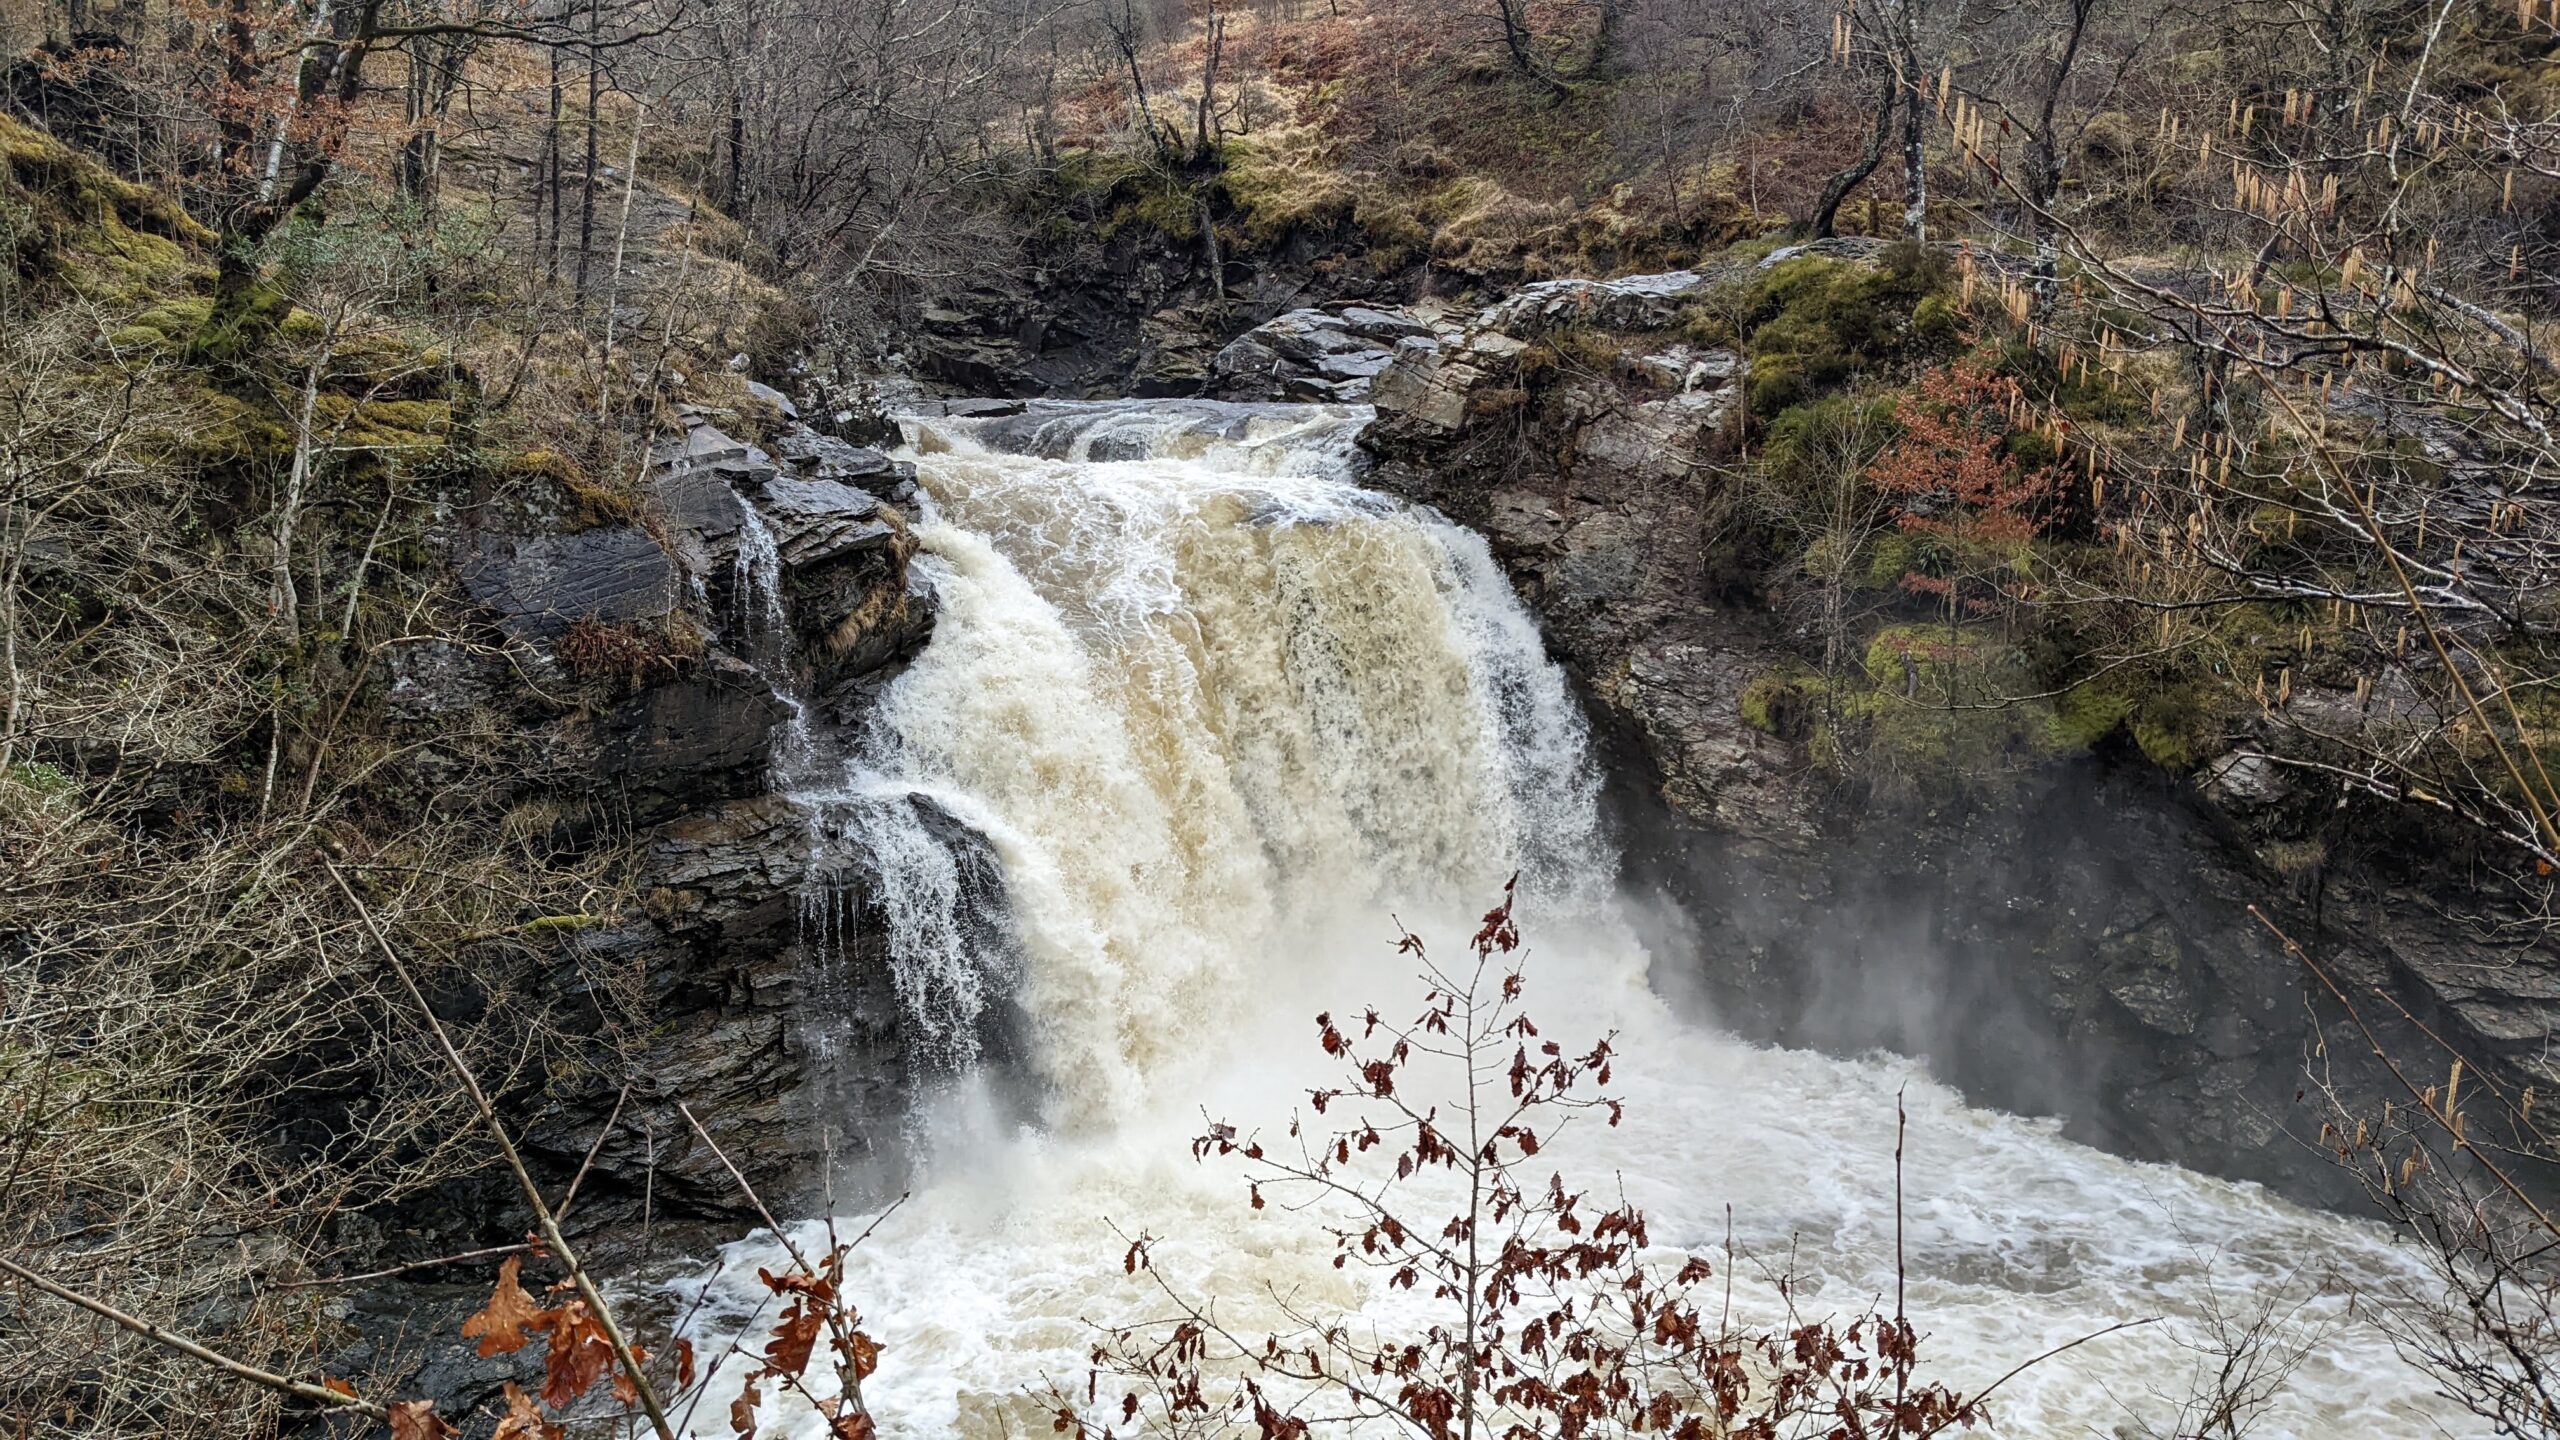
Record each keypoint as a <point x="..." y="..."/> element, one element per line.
<point x="2171" y="724"/>
<point x="1902" y="552"/>
<point x="1806" y="438"/>
<point x="68" y="222"/>
<point x="2168" y="717"/>
<point x="164" y="327"/>
<point x="2089" y="395"/>
<point x="38" y="778"/>
<point x="2090" y="713"/>
<point x="240" y="324"/>
<point x="1813" y="323"/>
<point x="1777" y="702"/>
<point x="1167" y="209"/>
<point x="383" y="424"/>
<point x="1120" y="191"/>
<point x="1275" y="199"/>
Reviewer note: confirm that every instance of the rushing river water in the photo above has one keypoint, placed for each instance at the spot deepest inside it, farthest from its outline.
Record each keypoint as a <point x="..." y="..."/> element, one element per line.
<point x="1228" y="719"/>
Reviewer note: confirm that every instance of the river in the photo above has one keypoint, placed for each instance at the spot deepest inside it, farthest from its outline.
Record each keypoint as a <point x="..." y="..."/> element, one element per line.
<point x="1230" y="720"/>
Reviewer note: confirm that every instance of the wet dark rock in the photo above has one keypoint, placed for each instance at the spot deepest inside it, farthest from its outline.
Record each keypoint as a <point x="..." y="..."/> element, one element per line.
<point x="825" y="457"/>
<point x="817" y="522"/>
<point x="693" y="485"/>
<point x="982" y="408"/>
<point x="870" y="651"/>
<point x="1175" y="352"/>
<point x="704" y="738"/>
<point x="541" y="584"/>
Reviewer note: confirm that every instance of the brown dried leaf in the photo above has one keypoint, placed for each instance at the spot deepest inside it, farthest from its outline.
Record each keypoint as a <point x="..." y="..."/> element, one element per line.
<point x="579" y="1356"/>
<point x="864" y="1353"/>
<point x="795" y="1336"/>
<point x="798" y="1283"/>
<point x="626" y="1389"/>
<point x="742" y="1412"/>
<point x="500" y="1325"/>
<point x="418" y="1420"/>
<point x="856" y="1425"/>
<point x="522" y="1421"/>
<point x="684" y="1363"/>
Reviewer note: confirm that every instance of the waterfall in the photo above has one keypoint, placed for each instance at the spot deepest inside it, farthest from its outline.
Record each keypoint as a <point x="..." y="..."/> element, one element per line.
<point x="1228" y="720"/>
<point x="756" y="618"/>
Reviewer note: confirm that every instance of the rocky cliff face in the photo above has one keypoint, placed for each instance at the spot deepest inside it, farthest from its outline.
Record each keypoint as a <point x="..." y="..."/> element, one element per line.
<point x="1125" y="308"/>
<point x="766" y="598"/>
<point x="2085" y="947"/>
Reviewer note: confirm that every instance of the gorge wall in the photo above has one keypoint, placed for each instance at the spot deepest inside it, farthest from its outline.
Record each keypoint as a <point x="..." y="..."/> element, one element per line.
<point x="2078" y="940"/>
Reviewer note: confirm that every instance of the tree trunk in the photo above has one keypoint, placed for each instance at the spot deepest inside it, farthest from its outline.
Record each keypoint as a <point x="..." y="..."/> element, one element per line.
<point x="551" y="169"/>
<point x="1915" y="158"/>
<point x="1520" y="42"/>
<point x="413" y="151"/>
<point x="587" y="191"/>
<point x="2045" y="161"/>
<point x="1213" y="41"/>
<point x="1826" y="213"/>
<point x="736" y="203"/>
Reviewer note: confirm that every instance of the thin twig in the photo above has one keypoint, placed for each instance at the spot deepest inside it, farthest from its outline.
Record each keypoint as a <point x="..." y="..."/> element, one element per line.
<point x="171" y="1340"/>
<point x="550" y="1223"/>
<point x="570" y="1197"/>
<point x="491" y="1253"/>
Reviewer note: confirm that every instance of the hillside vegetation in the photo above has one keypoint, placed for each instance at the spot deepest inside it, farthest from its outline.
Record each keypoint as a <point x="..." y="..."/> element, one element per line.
<point x="2194" y="409"/>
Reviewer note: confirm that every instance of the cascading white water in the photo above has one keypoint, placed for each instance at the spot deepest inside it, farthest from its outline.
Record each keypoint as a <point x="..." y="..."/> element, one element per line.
<point x="756" y="619"/>
<point x="1228" y="719"/>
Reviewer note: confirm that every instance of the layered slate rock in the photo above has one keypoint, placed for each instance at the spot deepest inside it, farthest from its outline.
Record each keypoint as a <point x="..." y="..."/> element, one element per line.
<point x="541" y="584"/>
<point x="681" y="757"/>
<point x="1329" y="355"/>
<point x="843" y="549"/>
<point x="696" y="740"/>
<point x="1636" y="302"/>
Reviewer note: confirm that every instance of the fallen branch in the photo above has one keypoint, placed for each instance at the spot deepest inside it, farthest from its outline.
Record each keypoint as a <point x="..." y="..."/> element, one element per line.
<point x="542" y="1213"/>
<point x="171" y="1340"/>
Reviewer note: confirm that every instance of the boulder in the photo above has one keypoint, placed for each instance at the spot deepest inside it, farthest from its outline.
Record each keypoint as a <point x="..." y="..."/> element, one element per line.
<point x="825" y="457"/>
<point x="1313" y="355"/>
<point x="1424" y="391"/>
<point x="774" y="398"/>
<point x="1635" y="302"/>
<point x="818" y="522"/>
<point x="693" y="485"/>
<point x="1175" y="350"/>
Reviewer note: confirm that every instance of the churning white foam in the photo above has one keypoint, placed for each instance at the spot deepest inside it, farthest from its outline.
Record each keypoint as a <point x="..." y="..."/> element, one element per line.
<point x="1227" y="719"/>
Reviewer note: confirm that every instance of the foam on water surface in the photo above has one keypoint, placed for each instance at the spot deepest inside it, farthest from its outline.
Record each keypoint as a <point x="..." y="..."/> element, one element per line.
<point x="1228" y="719"/>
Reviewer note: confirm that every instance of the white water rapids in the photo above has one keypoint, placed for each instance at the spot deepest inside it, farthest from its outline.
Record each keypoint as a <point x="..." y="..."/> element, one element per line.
<point x="1227" y="718"/>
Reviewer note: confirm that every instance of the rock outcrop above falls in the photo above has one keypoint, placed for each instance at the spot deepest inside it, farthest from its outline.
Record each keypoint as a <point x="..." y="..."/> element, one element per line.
<point x="1328" y="355"/>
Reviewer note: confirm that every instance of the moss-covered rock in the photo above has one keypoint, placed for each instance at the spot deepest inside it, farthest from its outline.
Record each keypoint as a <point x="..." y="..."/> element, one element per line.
<point x="1813" y="323"/>
<point x="67" y="222"/>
